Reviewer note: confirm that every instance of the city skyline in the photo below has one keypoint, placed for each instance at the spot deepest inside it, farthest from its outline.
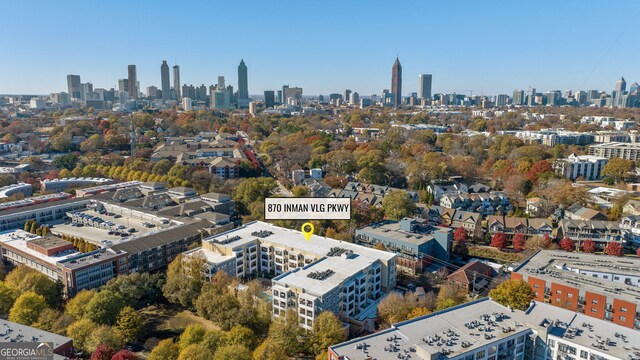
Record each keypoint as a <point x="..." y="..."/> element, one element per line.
<point x="467" y="56"/>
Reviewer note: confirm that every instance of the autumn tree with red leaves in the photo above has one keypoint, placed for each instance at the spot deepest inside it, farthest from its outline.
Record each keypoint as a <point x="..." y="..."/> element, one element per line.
<point x="589" y="246"/>
<point x="567" y="244"/>
<point x="499" y="240"/>
<point x="519" y="241"/>
<point x="614" y="248"/>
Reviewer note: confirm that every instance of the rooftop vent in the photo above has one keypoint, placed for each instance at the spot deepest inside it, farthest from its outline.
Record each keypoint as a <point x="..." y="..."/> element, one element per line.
<point x="261" y="233"/>
<point x="320" y="275"/>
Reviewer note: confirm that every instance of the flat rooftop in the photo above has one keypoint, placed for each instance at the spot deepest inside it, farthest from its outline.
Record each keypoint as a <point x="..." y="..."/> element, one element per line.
<point x="616" y="145"/>
<point x="337" y="268"/>
<point x="455" y="331"/>
<point x="575" y="270"/>
<point x="14" y="332"/>
<point x="49" y="242"/>
<point x="87" y="259"/>
<point x="392" y="230"/>
<point x="292" y="239"/>
<point x="17" y="239"/>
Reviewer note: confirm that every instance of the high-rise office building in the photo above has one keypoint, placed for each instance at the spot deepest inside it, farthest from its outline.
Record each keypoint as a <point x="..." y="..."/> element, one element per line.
<point x="424" y="86"/>
<point x="165" y="81"/>
<point x="133" y="82"/>
<point x="123" y="85"/>
<point x="73" y="86"/>
<point x="269" y="99"/>
<point x="396" y="82"/>
<point x="291" y="95"/>
<point x="152" y="91"/>
<point x="85" y="88"/>
<point x="621" y="85"/>
<point x="221" y="82"/>
<point x="347" y="95"/>
<point x="354" y="98"/>
<point x="243" y="81"/>
<point x="518" y="97"/>
<point x="176" y="81"/>
<point x="501" y="99"/>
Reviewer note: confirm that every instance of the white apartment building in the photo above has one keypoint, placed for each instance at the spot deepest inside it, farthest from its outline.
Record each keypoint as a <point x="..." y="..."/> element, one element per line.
<point x="588" y="167"/>
<point x="486" y="330"/>
<point x="320" y="274"/>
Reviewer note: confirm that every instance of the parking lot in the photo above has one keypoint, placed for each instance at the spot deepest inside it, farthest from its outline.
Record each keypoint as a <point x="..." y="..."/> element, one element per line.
<point x="103" y="228"/>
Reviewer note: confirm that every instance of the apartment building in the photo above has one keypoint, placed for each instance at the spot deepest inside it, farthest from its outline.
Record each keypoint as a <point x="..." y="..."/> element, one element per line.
<point x="588" y="167"/>
<point x="601" y="232"/>
<point x="333" y="268"/>
<point x="627" y="151"/>
<point x="486" y="330"/>
<point x="511" y="225"/>
<point x="416" y="243"/>
<point x="602" y="287"/>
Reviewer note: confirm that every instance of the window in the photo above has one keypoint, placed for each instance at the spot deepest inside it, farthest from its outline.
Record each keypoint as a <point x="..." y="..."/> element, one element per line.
<point x="480" y="354"/>
<point x="622" y="318"/>
<point x="623" y="309"/>
<point x="558" y="291"/>
<point x="570" y="295"/>
<point x="535" y="286"/>
<point x="594" y="310"/>
<point x="584" y="354"/>
<point x="594" y="301"/>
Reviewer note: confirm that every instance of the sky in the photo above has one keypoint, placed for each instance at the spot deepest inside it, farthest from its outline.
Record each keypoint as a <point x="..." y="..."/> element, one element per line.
<point x="487" y="47"/>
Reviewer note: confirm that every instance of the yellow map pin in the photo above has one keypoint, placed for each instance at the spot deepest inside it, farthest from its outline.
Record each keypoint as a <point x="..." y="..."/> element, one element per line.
<point x="307" y="234"/>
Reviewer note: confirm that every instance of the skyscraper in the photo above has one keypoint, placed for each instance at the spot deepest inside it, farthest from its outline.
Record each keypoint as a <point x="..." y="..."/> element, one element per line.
<point x="243" y="81"/>
<point x="396" y="82"/>
<point x="165" y="81"/>
<point x="424" y="86"/>
<point x="133" y="82"/>
<point x="123" y="85"/>
<point x="621" y="85"/>
<point x="269" y="99"/>
<point x="73" y="86"/>
<point x="221" y="82"/>
<point x="176" y="81"/>
<point x="347" y="95"/>
<point x="518" y="97"/>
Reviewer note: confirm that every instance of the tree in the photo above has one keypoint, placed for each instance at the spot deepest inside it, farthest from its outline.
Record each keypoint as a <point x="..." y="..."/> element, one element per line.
<point x="397" y="204"/>
<point x="567" y="244"/>
<point x="241" y="335"/>
<point x="138" y="289"/>
<point x="253" y="189"/>
<point x="125" y="355"/>
<point x="195" y="352"/>
<point x="519" y="242"/>
<point x="27" y="308"/>
<point x="103" y="334"/>
<point x="104" y="307"/>
<point x="53" y="320"/>
<point x="546" y="241"/>
<point x="80" y="331"/>
<point x="232" y="352"/>
<point x="213" y="339"/>
<point x="192" y="334"/>
<point x="77" y="305"/>
<point x="300" y="191"/>
<point x="638" y="252"/>
<point x="327" y="330"/>
<point x="448" y="295"/>
<point x="460" y="234"/>
<point x="515" y="293"/>
<point x="499" y="240"/>
<point x="589" y="246"/>
<point x="7" y="298"/>
<point x="23" y="279"/>
<point x="165" y="350"/>
<point x="285" y="333"/>
<point x="129" y="324"/>
<point x="103" y="352"/>
<point x="614" y="248"/>
<point x="185" y="278"/>
<point x="221" y="308"/>
<point x="617" y="168"/>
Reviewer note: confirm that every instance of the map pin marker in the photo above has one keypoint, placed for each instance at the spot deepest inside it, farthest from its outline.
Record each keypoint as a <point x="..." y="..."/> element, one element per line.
<point x="307" y="234"/>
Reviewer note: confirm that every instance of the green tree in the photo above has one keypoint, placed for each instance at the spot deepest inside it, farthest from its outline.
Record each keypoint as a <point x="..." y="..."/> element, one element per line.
<point x="285" y="333"/>
<point x="165" y="350"/>
<point x="80" y="331"/>
<point x="104" y="307"/>
<point x="515" y="293"/>
<point x="397" y="204"/>
<point x="327" y="330"/>
<point x="129" y="324"/>
<point x="53" y="320"/>
<point x="27" y="308"/>
<point x="7" y="298"/>
<point x="192" y="334"/>
<point x="240" y="335"/>
<point x="24" y="279"/>
<point x="213" y="339"/>
<point x="185" y="278"/>
<point x="232" y="352"/>
<point x="195" y="352"/>
<point x="253" y="189"/>
<point x="617" y="168"/>
<point x="77" y="305"/>
<point x="138" y="289"/>
<point x="103" y="334"/>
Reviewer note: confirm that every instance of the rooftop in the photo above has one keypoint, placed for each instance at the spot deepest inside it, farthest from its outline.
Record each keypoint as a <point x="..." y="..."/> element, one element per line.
<point x="14" y="332"/>
<point x="18" y="239"/>
<point x="325" y="274"/>
<point x="616" y="145"/>
<point x="292" y="239"/>
<point x="94" y="257"/>
<point x="465" y="328"/>
<point x="392" y="229"/>
<point x="569" y="269"/>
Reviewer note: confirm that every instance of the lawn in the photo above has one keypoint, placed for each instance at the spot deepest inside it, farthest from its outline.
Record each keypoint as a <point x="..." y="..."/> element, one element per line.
<point x="493" y="254"/>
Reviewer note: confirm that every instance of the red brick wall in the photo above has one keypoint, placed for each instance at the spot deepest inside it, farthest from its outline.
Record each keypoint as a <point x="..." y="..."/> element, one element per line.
<point x="594" y="310"/>
<point x="628" y="315"/>
<point x="516" y="276"/>
<point x="539" y="290"/>
<point x="567" y="298"/>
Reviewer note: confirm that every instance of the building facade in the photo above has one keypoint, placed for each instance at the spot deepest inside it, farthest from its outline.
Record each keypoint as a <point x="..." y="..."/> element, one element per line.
<point x="575" y="166"/>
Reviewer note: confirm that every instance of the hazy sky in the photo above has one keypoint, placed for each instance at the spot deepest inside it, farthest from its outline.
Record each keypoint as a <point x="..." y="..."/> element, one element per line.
<point x="323" y="46"/>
